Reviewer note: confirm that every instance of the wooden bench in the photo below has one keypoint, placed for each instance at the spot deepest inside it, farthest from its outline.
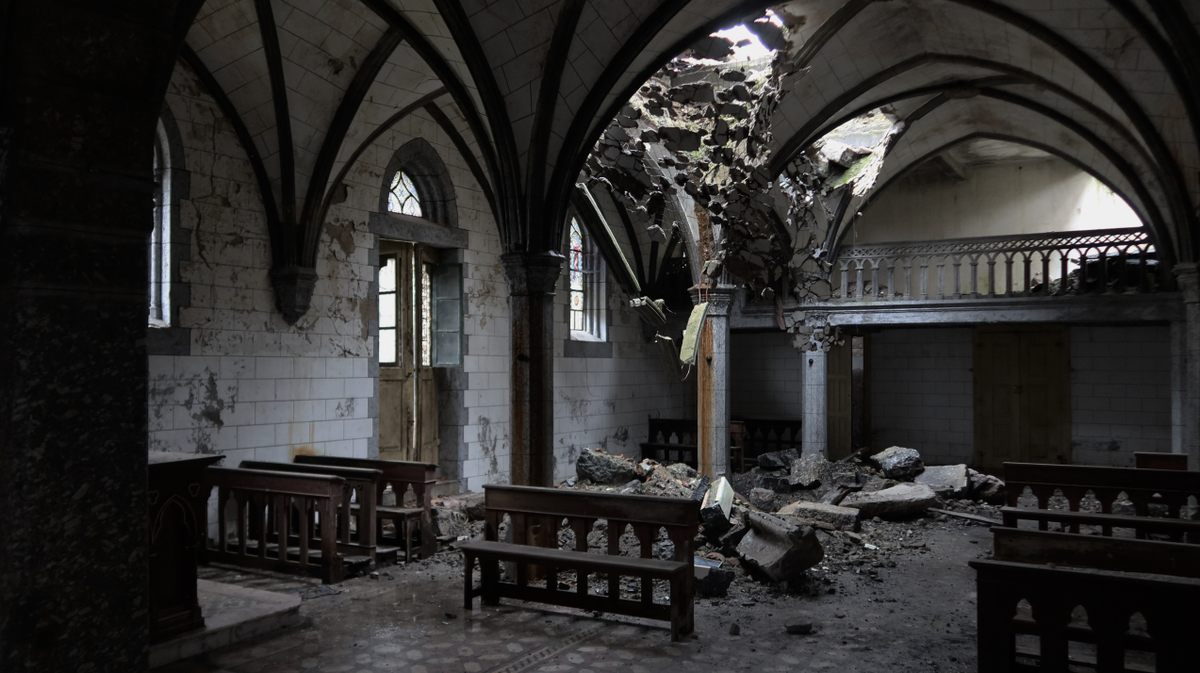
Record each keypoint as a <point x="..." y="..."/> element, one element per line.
<point x="1169" y="488"/>
<point x="672" y="440"/>
<point x="356" y="517"/>
<point x="1111" y="579"/>
<point x="273" y="521"/>
<point x="535" y="515"/>
<point x="403" y="477"/>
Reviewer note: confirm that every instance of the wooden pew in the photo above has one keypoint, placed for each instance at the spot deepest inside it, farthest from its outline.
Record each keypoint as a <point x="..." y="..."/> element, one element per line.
<point x="535" y="515"/>
<point x="1160" y="461"/>
<point x="403" y="477"/>
<point x="264" y="503"/>
<point x="363" y="487"/>
<point x="1112" y="579"/>
<point x="763" y="435"/>
<point x="672" y="440"/>
<point x="1144" y="487"/>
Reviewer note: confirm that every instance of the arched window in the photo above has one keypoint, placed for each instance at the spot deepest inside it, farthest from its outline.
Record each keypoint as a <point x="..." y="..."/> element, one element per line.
<point x="586" y="276"/>
<point x="403" y="197"/>
<point x="160" y="236"/>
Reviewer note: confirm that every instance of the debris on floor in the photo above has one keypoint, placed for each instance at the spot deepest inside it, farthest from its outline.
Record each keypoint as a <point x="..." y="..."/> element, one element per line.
<point x="796" y="522"/>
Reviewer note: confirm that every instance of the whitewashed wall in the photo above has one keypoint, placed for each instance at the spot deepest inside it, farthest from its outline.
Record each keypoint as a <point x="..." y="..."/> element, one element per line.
<point x="992" y="200"/>
<point x="606" y="401"/>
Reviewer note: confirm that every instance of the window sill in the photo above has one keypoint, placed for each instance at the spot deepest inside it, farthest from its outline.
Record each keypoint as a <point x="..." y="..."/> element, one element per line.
<point x="573" y="348"/>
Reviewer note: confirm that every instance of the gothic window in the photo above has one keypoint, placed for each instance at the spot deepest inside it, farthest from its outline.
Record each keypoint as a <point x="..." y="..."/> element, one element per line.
<point x="160" y="240"/>
<point x="403" y="197"/>
<point x="586" y="276"/>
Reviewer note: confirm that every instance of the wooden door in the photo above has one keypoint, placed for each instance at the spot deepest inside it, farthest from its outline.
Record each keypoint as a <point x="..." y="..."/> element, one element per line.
<point x="1045" y="397"/>
<point x="839" y="380"/>
<point x="408" y="424"/>
<point x="1022" y="396"/>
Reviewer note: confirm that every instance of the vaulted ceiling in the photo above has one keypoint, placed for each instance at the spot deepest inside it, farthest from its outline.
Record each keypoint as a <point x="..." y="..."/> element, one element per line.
<point x="524" y="87"/>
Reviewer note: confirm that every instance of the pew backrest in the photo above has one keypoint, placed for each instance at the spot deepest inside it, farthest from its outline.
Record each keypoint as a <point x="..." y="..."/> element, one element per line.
<point x="1097" y="552"/>
<point x="402" y="476"/>
<point x="530" y="507"/>
<point x="1142" y="486"/>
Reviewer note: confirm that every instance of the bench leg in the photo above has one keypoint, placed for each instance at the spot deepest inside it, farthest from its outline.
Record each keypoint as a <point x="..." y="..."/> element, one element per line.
<point x="489" y="570"/>
<point x="408" y="557"/>
<point x="468" y="582"/>
<point x="679" y="611"/>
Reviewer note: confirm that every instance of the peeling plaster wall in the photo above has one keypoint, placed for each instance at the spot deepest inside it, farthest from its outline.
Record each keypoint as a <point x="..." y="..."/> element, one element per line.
<point x="993" y="200"/>
<point x="606" y="401"/>
<point x="245" y="383"/>
<point x="473" y="400"/>
<point x="248" y="385"/>
<point x="766" y="376"/>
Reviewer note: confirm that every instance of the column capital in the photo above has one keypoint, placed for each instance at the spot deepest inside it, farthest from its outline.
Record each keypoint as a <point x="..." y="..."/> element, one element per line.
<point x="532" y="273"/>
<point x="719" y="298"/>
<point x="1187" y="275"/>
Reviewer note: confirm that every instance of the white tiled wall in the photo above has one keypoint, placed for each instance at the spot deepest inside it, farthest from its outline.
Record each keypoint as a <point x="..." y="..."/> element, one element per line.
<point x="766" y="376"/>
<point x="1120" y="392"/>
<point x="919" y="384"/>
<point x="920" y="387"/>
<point x="607" y="401"/>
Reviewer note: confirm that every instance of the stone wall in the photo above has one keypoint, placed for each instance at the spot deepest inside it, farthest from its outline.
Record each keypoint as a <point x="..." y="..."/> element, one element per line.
<point x="921" y="392"/>
<point x="604" y="393"/>
<point x="766" y="376"/>
<point x="230" y="376"/>
<point x="919" y="383"/>
<point x="1120" y="393"/>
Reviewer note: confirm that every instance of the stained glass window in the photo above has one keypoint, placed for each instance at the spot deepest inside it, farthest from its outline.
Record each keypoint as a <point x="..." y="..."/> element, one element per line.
<point x="426" y="317"/>
<point x="403" y="197"/>
<point x="585" y="269"/>
<point x="160" y="242"/>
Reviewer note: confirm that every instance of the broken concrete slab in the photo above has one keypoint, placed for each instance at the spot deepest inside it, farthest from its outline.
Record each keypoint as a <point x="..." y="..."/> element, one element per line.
<point x="601" y="467"/>
<point x="986" y="487"/>
<point x="716" y="509"/>
<point x="902" y="501"/>
<point x="762" y="498"/>
<point x="777" y="550"/>
<point x="948" y="481"/>
<point x="839" y="517"/>
<point x="898" y="462"/>
<point x="778" y="460"/>
<point x="808" y="471"/>
<point x="712" y="580"/>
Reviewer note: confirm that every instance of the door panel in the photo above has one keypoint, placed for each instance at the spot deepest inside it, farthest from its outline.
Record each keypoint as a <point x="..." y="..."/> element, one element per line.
<point x="1022" y="396"/>
<point x="838" y="389"/>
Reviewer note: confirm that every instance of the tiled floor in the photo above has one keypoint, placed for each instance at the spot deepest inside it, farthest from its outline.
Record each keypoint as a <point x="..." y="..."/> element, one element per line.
<point x="915" y="617"/>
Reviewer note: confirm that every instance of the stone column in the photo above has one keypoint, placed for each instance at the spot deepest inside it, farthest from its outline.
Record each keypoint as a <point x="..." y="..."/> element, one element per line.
<point x="816" y="401"/>
<point x="82" y="88"/>
<point x="531" y="280"/>
<point x="1185" y="343"/>
<point x="712" y="381"/>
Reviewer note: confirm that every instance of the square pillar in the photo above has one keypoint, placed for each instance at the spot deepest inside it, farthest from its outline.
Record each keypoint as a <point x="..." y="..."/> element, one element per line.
<point x="531" y="280"/>
<point x="816" y="402"/>
<point x="1185" y="361"/>
<point x="712" y="381"/>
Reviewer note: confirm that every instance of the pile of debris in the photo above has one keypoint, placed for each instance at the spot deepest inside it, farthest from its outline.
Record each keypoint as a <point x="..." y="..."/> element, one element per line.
<point x="771" y="532"/>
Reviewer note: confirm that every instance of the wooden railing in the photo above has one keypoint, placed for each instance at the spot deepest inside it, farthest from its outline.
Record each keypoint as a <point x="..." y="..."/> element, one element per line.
<point x="1108" y="261"/>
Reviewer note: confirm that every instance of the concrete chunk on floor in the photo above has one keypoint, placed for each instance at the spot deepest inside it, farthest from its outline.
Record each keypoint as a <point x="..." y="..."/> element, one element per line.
<point x="902" y="501"/>
<point x="838" y="517"/>
<point x="716" y="508"/>
<point x="948" y="481"/>
<point x="898" y="462"/>
<point x="778" y="550"/>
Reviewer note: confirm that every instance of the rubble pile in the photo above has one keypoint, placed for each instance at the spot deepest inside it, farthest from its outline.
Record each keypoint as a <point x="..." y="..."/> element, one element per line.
<point x="797" y="521"/>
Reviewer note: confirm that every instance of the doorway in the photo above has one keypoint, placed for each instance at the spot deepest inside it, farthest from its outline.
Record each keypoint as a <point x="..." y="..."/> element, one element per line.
<point x="408" y="422"/>
<point x="1022" y="396"/>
